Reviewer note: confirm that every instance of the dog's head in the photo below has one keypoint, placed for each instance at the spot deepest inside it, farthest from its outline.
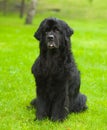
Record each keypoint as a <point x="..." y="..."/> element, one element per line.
<point x="52" y="32"/>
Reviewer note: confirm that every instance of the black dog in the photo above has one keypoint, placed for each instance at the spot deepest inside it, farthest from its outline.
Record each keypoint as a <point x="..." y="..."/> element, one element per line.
<point x="55" y="72"/>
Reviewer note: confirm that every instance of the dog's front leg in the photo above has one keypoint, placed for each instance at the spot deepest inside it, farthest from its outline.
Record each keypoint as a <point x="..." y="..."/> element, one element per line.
<point x="60" y="107"/>
<point x="41" y="111"/>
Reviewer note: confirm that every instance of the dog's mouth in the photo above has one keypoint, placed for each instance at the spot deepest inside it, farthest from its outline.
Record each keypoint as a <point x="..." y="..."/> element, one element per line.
<point x="51" y="45"/>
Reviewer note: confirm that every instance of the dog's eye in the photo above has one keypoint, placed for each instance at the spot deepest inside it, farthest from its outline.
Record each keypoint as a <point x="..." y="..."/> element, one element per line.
<point x="46" y="30"/>
<point x="56" y="29"/>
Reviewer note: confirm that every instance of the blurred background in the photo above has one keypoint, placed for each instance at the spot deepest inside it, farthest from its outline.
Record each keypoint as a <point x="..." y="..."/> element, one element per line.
<point x="70" y="9"/>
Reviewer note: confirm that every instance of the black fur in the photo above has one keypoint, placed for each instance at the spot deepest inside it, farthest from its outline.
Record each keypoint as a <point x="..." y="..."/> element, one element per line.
<point x="56" y="75"/>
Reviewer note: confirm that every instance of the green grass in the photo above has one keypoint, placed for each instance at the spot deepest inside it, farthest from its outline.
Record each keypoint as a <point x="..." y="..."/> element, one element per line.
<point x="18" y="50"/>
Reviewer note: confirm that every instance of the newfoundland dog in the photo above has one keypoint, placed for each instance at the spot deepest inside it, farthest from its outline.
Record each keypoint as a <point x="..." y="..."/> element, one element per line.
<point x="56" y="75"/>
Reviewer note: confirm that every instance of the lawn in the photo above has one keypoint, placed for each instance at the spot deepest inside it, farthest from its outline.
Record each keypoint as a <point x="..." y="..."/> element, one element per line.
<point x="18" y="50"/>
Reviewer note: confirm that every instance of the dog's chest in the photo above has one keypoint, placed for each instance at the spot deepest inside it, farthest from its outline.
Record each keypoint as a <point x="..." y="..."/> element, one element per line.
<point x="53" y="65"/>
<point x="53" y="86"/>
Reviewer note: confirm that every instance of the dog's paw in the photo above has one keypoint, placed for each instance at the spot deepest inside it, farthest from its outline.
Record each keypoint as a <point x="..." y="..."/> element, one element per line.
<point x="33" y="103"/>
<point x="59" y="119"/>
<point x="29" y="107"/>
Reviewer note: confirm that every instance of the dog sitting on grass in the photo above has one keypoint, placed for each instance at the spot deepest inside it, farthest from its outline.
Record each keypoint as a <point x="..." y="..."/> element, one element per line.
<point x="56" y="74"/>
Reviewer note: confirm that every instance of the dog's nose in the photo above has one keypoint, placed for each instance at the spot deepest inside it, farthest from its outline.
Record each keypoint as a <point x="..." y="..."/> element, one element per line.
<point x="50" y="37"/>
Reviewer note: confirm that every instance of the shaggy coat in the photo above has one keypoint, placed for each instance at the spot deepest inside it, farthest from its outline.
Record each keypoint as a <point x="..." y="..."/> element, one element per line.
<point x="56" y="75"/>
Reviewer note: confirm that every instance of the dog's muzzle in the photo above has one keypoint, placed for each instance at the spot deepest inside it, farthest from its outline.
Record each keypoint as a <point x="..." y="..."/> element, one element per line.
<point x="51" y="43"/>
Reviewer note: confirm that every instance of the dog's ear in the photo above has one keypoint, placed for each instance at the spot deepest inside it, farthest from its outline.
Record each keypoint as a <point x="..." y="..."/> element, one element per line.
<point x="69" y="31"/>
<point x="38" y="33"/>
